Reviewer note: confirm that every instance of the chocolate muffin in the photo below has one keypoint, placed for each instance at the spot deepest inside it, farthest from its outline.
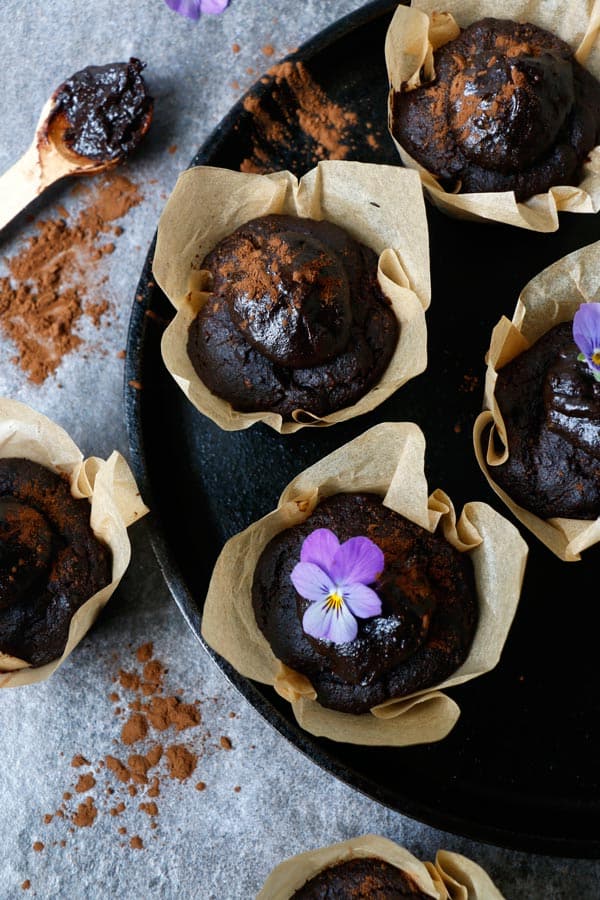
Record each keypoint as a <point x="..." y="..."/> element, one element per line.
<point x="50" y="560"/>
<point x="295" y="319"/>
<point x="428" y="617"/>
<point x="509" y="109"/>
<point x="364" y="877"/>
<point x="550" y="403"/>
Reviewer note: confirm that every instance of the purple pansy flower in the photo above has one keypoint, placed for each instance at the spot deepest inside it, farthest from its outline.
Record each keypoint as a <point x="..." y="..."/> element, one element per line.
<point x="586" y="334"/>
<point x="193" y="9"/>
<point x="334" y="577"/>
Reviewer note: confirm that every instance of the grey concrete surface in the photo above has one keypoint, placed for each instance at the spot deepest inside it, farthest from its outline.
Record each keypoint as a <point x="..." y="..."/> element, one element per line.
<point x="217" y="843"/>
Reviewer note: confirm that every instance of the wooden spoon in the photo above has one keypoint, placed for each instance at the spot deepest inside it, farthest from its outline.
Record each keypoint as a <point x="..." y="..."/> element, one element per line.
<point x="50" y="158"/>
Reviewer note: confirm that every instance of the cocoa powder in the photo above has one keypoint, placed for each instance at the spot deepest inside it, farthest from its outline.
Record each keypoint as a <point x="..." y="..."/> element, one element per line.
<point x="298" y="108"/>
<point x="53" y="278"/>
<point x="138" y="765"/>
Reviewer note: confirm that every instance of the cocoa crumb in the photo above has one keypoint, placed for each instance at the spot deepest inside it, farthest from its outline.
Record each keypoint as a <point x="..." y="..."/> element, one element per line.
<point x="67" y="795"/>
<point x="136" y="843"/>
<point x="225" y="743"/>
<point x="137" y="385"/>
<point x="144" y="653"/>
<point x="151" y="809"/>
<point x="236" y="47"/>
<point x="129" y="680"/>
<point x="26" y="884"/>
<point x="122" y="830"/>
<point x="268" y="50"/>
<point x="85" y="783"/>
<point x="48" y="818"/>
<point x="86" y="814"/>
<point x="201" y="786"/>
<point x="78" y="761"/>
<point x="135" y="729"/>
<point x="237" y="788"/>
<point x="181" y="761"/>
<point x="118" y="809"/>
<point x="117" y="768"/>
<point x="38" y="846"/>
<point x="121" y="354"/>
<point x="132" y="790"/>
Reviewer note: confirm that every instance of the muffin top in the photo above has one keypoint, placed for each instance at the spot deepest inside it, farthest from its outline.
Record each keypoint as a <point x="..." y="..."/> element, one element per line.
<point x="295" y="318"/>
<point x="509" y="109"/>
<point x="415" y="622"/>
<point x="550" y="404"/>
<point x="50" y="560"/>
<point x="363" y="878"/>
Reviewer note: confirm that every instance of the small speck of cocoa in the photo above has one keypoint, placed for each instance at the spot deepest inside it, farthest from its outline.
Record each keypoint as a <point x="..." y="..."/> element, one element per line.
<point x="78" y="761"/>
<point x="85" y="783"/>
<point x="136" y="843"/>
<point x="144" y="653"/>
<point x="225" y="743"/>
<point x="201" y="786"/>
<point x="26" y="885"/>
<point x="38" y="846"/>
<point x="135" y="729"/>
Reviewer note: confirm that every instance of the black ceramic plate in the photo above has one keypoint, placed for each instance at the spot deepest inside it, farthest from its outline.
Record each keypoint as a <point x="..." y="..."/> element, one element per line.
<point x="522" y="767"/>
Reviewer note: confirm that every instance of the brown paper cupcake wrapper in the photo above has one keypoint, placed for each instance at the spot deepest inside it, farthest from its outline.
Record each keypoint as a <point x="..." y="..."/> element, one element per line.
<point x="387" y="460"/>
<point x="451" y="877"/>
<point x="381" y="206"/>
<point x="550" y="298"/>
<point x="115" y="504"/>
<point x="416" y="31"/>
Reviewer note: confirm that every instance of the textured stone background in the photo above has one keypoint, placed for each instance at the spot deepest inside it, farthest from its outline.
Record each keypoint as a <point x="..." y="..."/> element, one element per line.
<point x="218" y="843"/>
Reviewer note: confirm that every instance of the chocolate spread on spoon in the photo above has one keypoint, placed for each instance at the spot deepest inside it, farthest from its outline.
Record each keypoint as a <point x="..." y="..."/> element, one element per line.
<point x="107" y="110"/>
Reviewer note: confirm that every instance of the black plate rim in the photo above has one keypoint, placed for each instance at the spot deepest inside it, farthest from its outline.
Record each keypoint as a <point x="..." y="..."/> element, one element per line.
<point x="523" y="841"/>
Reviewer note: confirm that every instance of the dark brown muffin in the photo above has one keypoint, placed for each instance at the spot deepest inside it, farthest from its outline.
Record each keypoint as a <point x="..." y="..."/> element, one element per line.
<point x="50" y="560"/>
<point x="509" y="109"/>
<point x="550" y="403"/>
<point x="361" y="879"/>
<point x="295" y="319"/>
<point x="429" y="608"/>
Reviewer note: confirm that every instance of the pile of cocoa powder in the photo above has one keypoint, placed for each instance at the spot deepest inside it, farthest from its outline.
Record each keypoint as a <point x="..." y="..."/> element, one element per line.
<point x="54" y="278"/>
<point x="160" y="742"/>
<point x="298" y="119"/>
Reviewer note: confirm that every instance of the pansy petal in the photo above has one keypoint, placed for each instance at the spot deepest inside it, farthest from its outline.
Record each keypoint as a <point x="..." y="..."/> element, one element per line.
<point x="213" y="7"/>
<point x="320" y="547"/>
<point x="336" y="625"/>
<point x="311" y="581"/>
<point x="362" y="601"/>
<point x="188" y="8"/>
<point x="358" y="560"/>
<point x="586" y="328"/>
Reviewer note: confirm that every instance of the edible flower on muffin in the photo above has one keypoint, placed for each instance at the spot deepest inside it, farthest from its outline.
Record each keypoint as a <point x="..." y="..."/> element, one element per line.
<point x="586" y="334"/>
<point x="334" y="578"/>
<point x="193" y="9"/>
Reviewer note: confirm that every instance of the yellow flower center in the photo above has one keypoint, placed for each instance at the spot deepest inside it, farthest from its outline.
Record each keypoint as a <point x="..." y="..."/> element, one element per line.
<point x="596" y="357"/>
<point x="335" y="602"/>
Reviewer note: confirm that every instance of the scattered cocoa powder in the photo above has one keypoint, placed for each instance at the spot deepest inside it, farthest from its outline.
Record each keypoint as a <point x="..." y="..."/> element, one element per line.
<point x="85" y="783"/>
<point x="144" y="653"/>
<point x="181" y="761"/>
<point x="225" y="743"/>
<point x="201" y="786"/>
<point x="26" y="884"/>
<point x="300" y="115"/>
<point x="52" y="277"/>
<point x="268" y="50"/>
<point x="236" y="48"/>
<point x="140" y="764"/>
<point x="38" y="846"/>
<point x="86" y="814"/>
<point x="78" y="761"/>
<point x="135" y="729"/>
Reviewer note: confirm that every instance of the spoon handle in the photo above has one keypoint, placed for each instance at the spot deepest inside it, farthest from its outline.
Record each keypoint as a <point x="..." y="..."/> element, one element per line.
<point x="21" y="184"/>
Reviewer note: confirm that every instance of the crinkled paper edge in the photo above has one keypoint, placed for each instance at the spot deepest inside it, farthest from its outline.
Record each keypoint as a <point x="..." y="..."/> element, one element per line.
<point x="550" y="298"/>
<point x="381" y="206"/>
<point x="451" y="877"/>
<point x="387" y="460"/>
<point x="416" y="31"/>
<point x="115" y="503"/>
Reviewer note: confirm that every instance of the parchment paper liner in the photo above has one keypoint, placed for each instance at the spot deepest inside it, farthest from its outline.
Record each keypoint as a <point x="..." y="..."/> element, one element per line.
<point x="550" y="298"/>
<point x="381" y="206"/>
<point x="452" y="877"/>
<point x="387" y="460"/>
<point x="115" y="504"/>
<point x="416" y="31"/>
